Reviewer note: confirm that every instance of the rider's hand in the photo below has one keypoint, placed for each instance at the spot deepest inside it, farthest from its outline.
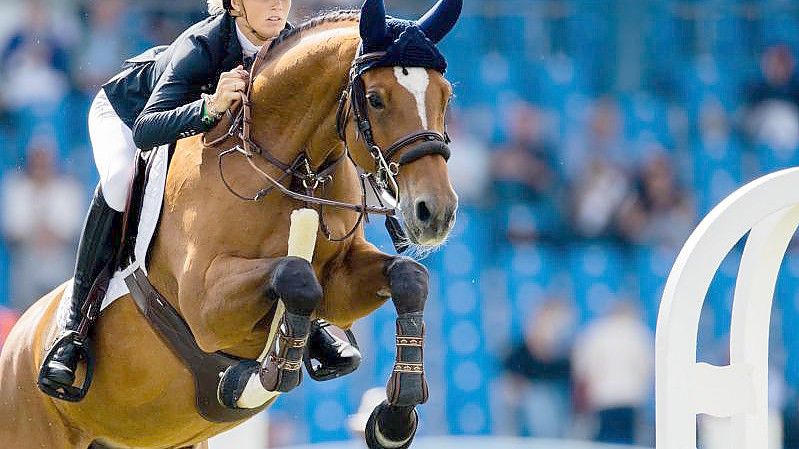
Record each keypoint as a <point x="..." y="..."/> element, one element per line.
<point x="228" y="90"/>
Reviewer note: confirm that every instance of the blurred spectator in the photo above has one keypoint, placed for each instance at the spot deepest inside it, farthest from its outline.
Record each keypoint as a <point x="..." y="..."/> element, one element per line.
<point x="105" y="44"/>
<point x="526" y="180"/>
<point x="773" y="102"/>
<point x="34" y="62"/>
<point x="601" y="137"/>
<point x="539" y="373"/>
<point x="470" y="162"/>
<point x="596" y="165"/>
<point x="42" y="214"/>
<point x="779" y="82"/>
<point x="36" y="30"/>
<point x="596" y="199"/>
<point x="524" y="168"/>
<point x="613" y="370"/>
<point x="657" y="211"/>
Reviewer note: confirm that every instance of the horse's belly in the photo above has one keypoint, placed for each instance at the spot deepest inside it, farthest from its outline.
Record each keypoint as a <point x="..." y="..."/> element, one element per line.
<point x="142" y="396"/>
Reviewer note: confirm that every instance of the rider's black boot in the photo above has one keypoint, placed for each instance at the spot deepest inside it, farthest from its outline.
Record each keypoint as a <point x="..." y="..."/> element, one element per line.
<point x="95" y="252"/>
<point x="334" y="357"/>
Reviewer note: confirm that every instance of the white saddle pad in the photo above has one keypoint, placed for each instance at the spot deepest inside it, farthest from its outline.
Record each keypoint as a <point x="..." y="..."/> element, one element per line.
<point x="148" y="222"/>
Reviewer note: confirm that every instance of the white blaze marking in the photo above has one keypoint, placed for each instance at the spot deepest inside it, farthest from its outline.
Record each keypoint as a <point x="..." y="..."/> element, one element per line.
<point x="416" y="82"/>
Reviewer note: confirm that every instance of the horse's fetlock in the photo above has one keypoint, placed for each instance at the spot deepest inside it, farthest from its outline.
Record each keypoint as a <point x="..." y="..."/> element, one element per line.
<point x="294" y="281"/>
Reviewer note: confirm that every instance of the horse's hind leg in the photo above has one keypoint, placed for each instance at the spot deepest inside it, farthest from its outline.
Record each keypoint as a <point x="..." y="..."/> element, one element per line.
<point x="294" y="282"/>
<point x="28" y="418"/>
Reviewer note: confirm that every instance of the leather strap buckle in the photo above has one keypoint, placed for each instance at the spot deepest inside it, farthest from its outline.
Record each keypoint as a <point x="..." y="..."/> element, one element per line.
<point x="409" y="368"/>
<point x="288" y="365"/>
<point x="291" y="343"/>
<point x="410" y="341"/>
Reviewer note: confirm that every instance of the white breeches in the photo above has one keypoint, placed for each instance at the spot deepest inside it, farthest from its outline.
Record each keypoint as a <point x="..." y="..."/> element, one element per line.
<point x="114" y="151"/>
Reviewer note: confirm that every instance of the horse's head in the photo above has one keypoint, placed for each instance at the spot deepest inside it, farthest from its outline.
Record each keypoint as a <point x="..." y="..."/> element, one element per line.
<point x="399" y="97"/>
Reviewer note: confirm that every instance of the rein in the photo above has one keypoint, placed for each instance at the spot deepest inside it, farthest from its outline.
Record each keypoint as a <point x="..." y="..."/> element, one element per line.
<point x="382" y="180"/>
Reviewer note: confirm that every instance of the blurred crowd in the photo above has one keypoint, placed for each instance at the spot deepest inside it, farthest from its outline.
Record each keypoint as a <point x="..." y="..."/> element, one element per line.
<point x="607" y="144"/>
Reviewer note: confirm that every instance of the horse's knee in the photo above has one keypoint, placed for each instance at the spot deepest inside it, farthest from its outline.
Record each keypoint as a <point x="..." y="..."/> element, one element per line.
<point x="408" y="281"/>
<point x="294" y="281"/>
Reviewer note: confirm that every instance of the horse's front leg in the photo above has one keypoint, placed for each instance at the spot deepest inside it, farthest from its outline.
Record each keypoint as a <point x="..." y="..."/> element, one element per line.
<point x="371" y="277"/>
<point x="408" y="283"/>
<point x="226" y="311"/>
<point x="393" y="423"/>
<point x="294" y="282"/>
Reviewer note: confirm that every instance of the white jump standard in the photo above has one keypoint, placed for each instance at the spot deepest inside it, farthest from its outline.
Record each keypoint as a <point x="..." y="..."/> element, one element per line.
<point x="767" y="209"/>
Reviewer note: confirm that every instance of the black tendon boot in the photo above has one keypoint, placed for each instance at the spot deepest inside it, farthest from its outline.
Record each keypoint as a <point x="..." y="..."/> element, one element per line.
<point x="95" y="253"/>
<point x="333" y="356"/>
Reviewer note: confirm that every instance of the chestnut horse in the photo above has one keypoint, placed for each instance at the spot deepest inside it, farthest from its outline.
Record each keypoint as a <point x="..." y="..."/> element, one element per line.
<point x="220" y="261"/>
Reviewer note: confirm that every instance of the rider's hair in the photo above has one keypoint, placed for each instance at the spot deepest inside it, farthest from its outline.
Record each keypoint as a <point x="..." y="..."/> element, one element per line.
<point x="217" y="6"/>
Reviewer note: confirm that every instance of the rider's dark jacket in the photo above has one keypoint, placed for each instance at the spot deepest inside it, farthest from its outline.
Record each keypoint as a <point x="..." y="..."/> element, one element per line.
<point x="158" y="93"/>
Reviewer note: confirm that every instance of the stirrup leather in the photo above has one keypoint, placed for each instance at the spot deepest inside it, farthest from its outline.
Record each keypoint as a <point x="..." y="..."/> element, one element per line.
<point x="84" y="352"/>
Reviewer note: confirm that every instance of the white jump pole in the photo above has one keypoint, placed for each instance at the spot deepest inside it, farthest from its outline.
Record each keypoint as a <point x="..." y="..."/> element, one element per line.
<point x="767" y="208"/>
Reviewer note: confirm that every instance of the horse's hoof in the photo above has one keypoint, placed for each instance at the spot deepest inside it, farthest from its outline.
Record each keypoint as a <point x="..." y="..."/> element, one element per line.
<point x="391" y="427"/>
<point x="233" y="382"/>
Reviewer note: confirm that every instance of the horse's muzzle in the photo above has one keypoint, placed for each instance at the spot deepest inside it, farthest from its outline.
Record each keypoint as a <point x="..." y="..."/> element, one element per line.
<point x="430" y="219"/>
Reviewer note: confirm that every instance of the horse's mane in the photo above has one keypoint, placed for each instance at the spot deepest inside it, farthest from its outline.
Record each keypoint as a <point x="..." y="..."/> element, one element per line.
<point x="292" y="35"/>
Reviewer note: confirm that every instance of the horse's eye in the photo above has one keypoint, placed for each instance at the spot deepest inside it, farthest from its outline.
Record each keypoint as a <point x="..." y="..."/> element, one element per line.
<point x="375" y="101"/>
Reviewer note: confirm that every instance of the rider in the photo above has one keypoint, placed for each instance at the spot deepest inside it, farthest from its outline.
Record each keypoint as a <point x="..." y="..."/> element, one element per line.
<point x="165" y="94"/>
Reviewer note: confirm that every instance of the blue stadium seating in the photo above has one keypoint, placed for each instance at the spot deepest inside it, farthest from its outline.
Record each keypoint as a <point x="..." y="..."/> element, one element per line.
<point x="598" y="278"/>
<point x="653" y="265"/>
<point x="786" y="313"/>
<point x="717" y="171"/>
<point x="532" y="274"/>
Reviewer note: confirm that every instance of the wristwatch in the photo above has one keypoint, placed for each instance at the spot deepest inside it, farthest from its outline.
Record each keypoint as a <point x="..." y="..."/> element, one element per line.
<point x="210" y="114"/>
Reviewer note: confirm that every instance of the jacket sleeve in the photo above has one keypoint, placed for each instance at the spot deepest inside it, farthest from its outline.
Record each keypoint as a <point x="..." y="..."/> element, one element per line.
<point x="174" y="109"/>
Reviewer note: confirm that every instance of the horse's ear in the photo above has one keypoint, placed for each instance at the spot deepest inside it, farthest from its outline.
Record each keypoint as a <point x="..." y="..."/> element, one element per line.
<point x="440" y="19"/>
<point x="373" y="25"/>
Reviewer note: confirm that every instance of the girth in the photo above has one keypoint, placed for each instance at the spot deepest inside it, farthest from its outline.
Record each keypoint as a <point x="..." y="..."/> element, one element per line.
<point x="175" y="333"/>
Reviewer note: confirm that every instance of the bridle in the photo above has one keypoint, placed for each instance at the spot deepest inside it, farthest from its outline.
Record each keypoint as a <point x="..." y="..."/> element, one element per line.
<point x="353" y="98"/>
<point x="387" y="164"/>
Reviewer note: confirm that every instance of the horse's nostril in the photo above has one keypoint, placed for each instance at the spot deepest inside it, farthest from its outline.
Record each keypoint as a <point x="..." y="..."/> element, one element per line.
<point x="422" y="212"/>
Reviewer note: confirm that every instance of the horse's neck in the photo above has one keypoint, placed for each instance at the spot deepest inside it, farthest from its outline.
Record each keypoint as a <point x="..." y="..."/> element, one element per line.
<point x="294" y="105"/>
<point x="296" y="95"/>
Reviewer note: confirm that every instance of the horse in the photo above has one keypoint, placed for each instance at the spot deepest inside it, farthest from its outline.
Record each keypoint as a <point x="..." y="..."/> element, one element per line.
<point x="220" y="261"/>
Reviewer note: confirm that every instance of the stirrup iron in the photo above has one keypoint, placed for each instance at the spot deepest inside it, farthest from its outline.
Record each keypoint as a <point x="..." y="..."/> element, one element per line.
<point x="64" y="392"/>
